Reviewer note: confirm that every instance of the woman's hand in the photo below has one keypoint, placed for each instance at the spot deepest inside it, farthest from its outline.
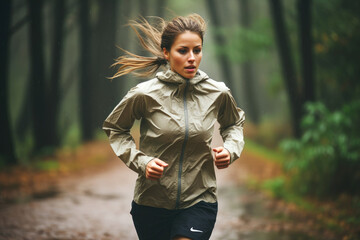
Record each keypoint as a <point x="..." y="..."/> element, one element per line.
<point x="222" y="157"/>
<point x="155" y="169"/>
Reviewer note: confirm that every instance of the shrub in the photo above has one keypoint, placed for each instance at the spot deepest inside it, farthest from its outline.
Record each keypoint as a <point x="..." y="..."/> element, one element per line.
<point x="326" y="159"/>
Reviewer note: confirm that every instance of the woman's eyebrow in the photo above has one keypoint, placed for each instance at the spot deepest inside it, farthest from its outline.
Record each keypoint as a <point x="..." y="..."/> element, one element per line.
<point x="188" y="47"/>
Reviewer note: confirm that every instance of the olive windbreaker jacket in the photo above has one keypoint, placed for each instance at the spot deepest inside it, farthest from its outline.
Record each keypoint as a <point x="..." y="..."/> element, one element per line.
<point x="177" y="122"/>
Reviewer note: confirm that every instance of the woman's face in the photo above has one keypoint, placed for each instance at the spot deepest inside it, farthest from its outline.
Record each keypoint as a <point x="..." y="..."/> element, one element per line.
<point x="185" y="54"/>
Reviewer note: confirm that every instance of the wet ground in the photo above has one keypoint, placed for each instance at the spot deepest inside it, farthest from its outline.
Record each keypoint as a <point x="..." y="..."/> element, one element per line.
<point x="92" y="206"/>
<point x="96" y="206"/>
<point x="249" y="215"/>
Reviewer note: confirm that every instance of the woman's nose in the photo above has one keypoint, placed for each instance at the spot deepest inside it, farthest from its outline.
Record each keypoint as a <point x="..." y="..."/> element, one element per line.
<point x="191" y="57"/>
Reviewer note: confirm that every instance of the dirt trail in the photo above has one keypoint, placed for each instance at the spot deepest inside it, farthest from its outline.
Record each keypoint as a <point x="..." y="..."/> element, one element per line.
<point x="96" y="206"/>
<point x="88" y="207"/>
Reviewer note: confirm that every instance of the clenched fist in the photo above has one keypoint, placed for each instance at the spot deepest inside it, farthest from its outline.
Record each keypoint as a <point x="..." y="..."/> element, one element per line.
<point x="155" y="169"/>
<point x="222" y="157"/>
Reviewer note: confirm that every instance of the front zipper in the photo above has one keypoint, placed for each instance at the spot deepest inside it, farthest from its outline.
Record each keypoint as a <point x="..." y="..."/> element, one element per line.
<point x="183" y="146"/>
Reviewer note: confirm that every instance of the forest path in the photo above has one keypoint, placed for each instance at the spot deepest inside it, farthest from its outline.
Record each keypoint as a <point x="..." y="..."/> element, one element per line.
<point x="96" y="206"/>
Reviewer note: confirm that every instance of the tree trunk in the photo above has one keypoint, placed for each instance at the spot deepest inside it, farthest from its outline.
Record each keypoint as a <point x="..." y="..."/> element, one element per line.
<point x="287" y="64"/>
<point x="6" y="140"/>
<point x="125" y="9"/>
<point x="220" y="40"/>
<point x="105" y="92"/>
<point x="37" y="74"/>
<point x="53" y="102"/>
<point x="143" y="7"/>
<point x="85" y="61"/>
<point x="22" y="122"/>
<point x="251" y="106"/>
<point x="306" y="49"/>
<point x="126" y="81"/>
<point x="160" y="8"/>
<point x="143" y="12"/>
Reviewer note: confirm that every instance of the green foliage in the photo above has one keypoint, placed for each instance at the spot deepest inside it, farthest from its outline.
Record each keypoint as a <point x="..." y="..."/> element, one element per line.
<point x="72" y="137"/>
<point x="24" y="148"/>
<point x="336" y="39"/>
<point x="275" y="84"/>
<point x="264" y="152"/>
<point x="279" y="188"/>
<point x="269" y="132"/>
<point x="100" y="135"/>
<point x="276" y="186"/>
<point x="326" y="160"/>
<point x="45" y="165"/>
<point x="244" y="44"/>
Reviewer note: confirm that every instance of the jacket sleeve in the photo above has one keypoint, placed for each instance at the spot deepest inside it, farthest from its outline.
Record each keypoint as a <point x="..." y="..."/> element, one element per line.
<point x="117" y="127"/>
<point x="231" y="120"/>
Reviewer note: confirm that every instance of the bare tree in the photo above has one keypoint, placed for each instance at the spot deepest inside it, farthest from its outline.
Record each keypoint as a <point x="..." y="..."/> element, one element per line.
<point x="37" y="74"/>
<point x="306" y="49"/>
<point x="287" y="64"/>
<point x="85" y="61"/>
<point x="6" y="140"/>
<point x="160" y="8"/>
<point x="23" y="122"/>
<point x="220" y="41"/>
<point x="53" y="93"/>
<point x="247" y="68"/>
<point x="124" y="42"/>
<point x="105" y="91"/>
<point x="143" y="7"/>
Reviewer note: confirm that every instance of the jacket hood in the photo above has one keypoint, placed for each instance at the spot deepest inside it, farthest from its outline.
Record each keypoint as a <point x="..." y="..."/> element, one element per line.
<point x="173" y="77"/>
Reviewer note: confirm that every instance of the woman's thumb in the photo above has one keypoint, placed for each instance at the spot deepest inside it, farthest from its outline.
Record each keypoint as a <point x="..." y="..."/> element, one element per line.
<point x="161" y="163"/>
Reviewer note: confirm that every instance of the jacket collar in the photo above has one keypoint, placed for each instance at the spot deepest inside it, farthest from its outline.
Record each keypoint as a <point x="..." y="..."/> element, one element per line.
<point x="173" y="77"/>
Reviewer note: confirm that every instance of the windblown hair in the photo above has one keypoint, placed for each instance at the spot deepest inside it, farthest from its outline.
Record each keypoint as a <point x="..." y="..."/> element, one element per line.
<point x="153" y="39"/>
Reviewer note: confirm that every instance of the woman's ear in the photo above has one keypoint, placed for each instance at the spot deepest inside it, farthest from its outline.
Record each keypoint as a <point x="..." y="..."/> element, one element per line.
<point x="166" y="54"/>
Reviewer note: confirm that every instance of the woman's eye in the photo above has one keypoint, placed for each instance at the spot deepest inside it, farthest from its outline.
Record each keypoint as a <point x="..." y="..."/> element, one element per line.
<point x="182" y="51"/>
<point x="197" y="51"/>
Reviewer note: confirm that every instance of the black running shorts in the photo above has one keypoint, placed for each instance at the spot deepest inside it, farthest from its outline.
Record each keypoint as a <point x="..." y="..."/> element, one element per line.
<point x="196" y="222"/>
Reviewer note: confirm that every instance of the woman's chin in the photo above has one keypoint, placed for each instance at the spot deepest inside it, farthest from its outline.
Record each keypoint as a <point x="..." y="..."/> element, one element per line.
<point x="189" y="75"/>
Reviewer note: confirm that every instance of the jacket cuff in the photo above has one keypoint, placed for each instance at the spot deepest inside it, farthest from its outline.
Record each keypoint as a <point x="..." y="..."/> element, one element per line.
<point x="234" y="149"/>
<point x="143" y="161"/>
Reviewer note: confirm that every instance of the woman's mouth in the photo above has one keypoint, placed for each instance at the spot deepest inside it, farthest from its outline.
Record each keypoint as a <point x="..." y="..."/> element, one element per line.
<point x="190" y="68"/>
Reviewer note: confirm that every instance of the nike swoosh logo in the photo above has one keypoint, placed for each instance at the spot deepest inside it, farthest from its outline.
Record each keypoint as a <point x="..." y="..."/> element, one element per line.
<point x="195" y="230"/>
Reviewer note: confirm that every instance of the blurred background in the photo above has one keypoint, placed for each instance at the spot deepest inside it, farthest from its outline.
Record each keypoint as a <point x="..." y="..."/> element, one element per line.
<point x="292" y="66"/>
